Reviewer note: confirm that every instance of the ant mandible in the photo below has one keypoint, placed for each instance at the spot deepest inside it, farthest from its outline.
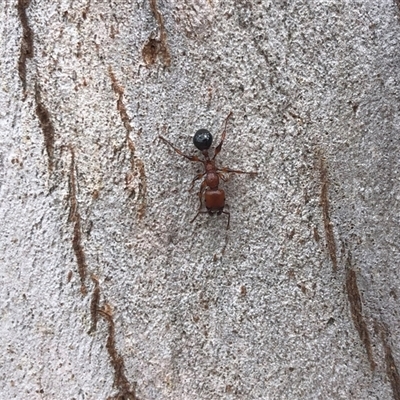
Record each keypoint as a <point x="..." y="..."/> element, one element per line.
<point x="214" y="197"/>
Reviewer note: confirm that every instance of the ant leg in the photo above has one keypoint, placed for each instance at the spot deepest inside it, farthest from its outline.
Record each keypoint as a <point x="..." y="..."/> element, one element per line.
<point x="229" y="218"/>
<point x="202" y="188"/>
<point x="235" y="171"/>
<point x="198" y="176"/>
<point x="223" y="176"/>
<point x="222" y="211"/>
<point x="218" y="148"/>
<point x="191" y="158"/>
<point x="198" y="212"/>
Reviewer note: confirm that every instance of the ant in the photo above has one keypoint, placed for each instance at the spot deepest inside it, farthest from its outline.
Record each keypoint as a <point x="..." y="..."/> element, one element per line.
<point x="214" y="197"/>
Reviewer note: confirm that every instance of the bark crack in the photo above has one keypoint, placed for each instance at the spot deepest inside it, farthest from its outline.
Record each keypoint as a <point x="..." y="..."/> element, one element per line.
<point x="355" y="300"/>
<point x="76" y="219"/>
<point x="119" y="91"/>
<point x="94" y="304"/>
<point x="391" y="368"/>
<point x="125" y="390"/>
<point x="47" y="127"/>
<point x="157" y="47"/>
<point x="26" y="49"/>
<point x="329" y="235"/>
<point x="136" y="164"/>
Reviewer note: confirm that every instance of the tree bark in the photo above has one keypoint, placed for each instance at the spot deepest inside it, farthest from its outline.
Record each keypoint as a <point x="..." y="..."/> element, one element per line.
<point x="108" y="291"/>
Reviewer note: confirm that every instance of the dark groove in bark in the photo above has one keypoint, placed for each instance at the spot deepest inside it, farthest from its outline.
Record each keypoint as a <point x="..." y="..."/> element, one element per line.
<point x="355" y="301"/>
<point x="330" y="238"/>
<point x="76" y="219"/>
<point x="157" y="47"/>
<point x="47" y="128"/>
<point x="125" y="391"/>
<point x="26" y="49"/>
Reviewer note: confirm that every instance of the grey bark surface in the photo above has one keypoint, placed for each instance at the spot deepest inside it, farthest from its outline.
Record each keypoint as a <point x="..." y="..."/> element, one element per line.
<point x="108" y="291"/>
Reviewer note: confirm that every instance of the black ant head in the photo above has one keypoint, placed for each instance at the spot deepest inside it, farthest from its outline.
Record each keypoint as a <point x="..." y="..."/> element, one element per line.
<point x="202" y="139"/>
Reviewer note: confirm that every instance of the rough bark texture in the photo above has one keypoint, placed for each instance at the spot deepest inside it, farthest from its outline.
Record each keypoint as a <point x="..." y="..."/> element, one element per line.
<point x="108" y="291"/>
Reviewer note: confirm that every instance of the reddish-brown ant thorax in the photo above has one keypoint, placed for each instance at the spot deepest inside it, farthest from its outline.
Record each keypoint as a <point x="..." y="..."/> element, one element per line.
<point x="212" y="179"/>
